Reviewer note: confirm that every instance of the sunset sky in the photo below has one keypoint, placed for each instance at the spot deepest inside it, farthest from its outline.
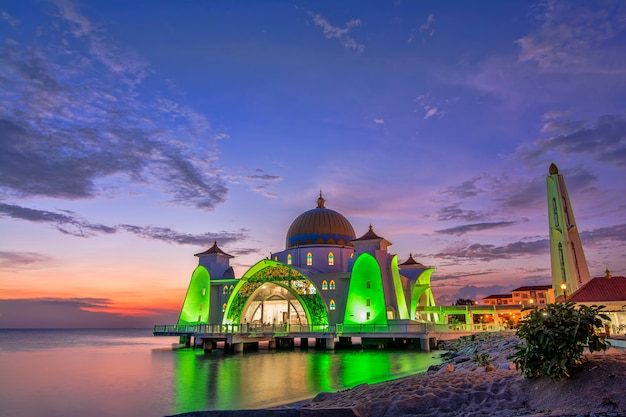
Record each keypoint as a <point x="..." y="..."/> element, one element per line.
<point x="135" y="133"/>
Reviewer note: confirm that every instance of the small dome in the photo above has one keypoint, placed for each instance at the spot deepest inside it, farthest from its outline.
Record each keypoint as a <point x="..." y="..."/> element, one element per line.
<point x="320" y="226"/>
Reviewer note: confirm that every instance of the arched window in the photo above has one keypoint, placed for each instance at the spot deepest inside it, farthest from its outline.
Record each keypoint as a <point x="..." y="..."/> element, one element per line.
<point x="275" y="258"/>
<point x="289" y="259"/>
<point x="331" y="259"/>
<point x="324" y="285"/>
<point x="230" y="289"/>
<point x="580" y="280"/>
<point x="562" y="260"/>
<point x="223" y="307"/>
<point x="225" y="290"/>
<point x="352" y="255"/>
<point x="555" y="212"/>
<point x="309" y="259"/>
<point x="332" y="284"/>
<point x="332" y="304"/>
<point x="565" y="209"/>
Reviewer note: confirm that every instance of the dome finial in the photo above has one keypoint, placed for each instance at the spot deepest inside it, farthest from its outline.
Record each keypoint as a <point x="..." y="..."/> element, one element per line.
<point x="321" y="201"/>
<point x="607" y="273"/>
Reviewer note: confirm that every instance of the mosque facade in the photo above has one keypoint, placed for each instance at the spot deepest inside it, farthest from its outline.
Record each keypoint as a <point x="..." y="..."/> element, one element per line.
<point x="324" y="276"/>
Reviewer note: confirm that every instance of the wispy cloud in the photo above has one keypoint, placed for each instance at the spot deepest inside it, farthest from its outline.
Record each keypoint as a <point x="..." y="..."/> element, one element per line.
<point x="568" y="34"/>
<point x="474" y="227"/>
<point x="488" y="252"/>
<point x="257" y="180"/>
<point x="23" y="260"/>
<point x="380" y="121"/>
<point x="70" y="223"/>
<point x="427" y="25"/>
<point x="76" y="121"/>
<point x="454" y="212"/>
<point x="430" y="106"/>
<point x="8" y="18"/>
<point x="339" y="33"/>
<point x="603" y="140"/>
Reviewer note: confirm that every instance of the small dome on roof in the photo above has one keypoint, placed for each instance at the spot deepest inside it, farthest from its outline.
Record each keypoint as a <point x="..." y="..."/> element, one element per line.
<point x="319" y="226"/>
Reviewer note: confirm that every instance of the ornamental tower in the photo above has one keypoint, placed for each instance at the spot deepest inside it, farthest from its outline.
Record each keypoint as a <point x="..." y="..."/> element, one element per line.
<point x="569" y="266"/>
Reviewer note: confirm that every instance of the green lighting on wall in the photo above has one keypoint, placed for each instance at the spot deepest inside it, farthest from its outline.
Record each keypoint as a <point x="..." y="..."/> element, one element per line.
<point x="366" y="300"/>
<point x="403" y="311"/>
<point x="196" y="305"/>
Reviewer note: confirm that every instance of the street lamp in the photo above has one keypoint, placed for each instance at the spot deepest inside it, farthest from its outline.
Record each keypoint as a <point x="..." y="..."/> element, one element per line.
<point x="564" y="288"/>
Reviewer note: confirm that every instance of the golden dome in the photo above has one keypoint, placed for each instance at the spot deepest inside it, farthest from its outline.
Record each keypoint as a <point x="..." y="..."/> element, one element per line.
<point x="320" y="226"/>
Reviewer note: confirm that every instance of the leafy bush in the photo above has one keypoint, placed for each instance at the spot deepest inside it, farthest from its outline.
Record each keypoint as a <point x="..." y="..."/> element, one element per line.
<point x="555" y="338"/>
<point x="484" y="359"/>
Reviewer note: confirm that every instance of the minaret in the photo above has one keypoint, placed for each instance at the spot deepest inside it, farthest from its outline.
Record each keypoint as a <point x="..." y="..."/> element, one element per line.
<point x="569" y="265"/>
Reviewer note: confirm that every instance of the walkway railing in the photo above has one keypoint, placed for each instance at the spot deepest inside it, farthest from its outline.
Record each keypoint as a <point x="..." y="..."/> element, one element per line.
<point x="277" y="329"/>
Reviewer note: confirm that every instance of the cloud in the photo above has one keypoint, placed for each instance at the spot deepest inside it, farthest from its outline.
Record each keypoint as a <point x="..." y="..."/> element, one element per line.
<point x="341" y="34"/>
<point x="67" y="222"/>
<point x="77" y="121"/>
<point x="603" y="140"/>
<point x="380" y="121"/>
<point x="569" y="34"/>
<point x="487" y="253"/>
<point x="258" y="181"/>
<point x="22" y="260"/>
<point x="426" y="26"/>
<point x="8" y="18"/>
<point x="168" y="235"/>
<point x="601" y="235"/>
<point x="70" y="223"/>
<point x="453" y="212"/>
<point x="430" y="106"/>
<point x="467" y="188"/>
<point x="476" y="227"/>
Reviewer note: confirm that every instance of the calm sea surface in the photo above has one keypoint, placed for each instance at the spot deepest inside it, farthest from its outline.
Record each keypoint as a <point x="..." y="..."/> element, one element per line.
<point x="48" y="373"/>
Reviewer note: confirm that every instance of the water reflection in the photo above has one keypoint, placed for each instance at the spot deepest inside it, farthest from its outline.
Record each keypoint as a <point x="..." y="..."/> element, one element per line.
<point x="254" y="380"/>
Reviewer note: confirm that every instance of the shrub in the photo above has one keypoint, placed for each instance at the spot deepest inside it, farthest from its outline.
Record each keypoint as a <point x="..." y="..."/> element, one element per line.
<point x="555" y="338"/>
<point x="483" y="359"/>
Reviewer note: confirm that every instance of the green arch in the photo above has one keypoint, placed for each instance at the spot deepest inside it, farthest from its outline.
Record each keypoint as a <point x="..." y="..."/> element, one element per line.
<point x="422" y="285"/>
<point x="280" y="274"/>
<point x="196" y="305"/>
<point x="366" y="284"/>
<point x="403" y="313"/>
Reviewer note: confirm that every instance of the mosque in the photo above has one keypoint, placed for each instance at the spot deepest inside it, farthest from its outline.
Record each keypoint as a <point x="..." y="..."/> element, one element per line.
<point x="326" y="275"/>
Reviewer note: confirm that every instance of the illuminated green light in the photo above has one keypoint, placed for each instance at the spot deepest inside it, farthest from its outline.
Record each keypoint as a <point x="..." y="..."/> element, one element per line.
<point x="403" y="312"/>
<point x="196" y="305"/>
<point x="421" y="294"/>
<point x="366" y="299"/>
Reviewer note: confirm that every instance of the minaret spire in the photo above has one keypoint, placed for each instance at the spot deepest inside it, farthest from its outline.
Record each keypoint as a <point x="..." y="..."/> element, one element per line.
<point x="568" y="261"/>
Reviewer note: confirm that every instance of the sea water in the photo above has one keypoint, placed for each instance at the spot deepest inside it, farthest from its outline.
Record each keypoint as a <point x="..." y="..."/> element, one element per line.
<point x="66" y="373"/>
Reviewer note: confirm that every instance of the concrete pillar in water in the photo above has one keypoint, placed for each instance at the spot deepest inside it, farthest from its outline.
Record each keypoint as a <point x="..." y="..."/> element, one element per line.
<point x="304" y="343"/>
<point x="272" y="344"/>
<point x="425" y="343"/>
<point x="207" y="345"/>
<point x="330" y="343"/>
<point x="238" y="347"/>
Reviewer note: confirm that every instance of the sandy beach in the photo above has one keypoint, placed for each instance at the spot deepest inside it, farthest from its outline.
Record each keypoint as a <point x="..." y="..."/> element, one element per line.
<point x="463" y="387"/>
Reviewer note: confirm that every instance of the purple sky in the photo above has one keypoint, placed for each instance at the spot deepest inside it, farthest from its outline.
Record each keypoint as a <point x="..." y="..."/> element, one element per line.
<point x="134" y="134"/>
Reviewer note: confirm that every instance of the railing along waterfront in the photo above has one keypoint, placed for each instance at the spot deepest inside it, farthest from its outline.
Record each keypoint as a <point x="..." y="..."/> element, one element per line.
<point x="277" y="329"/>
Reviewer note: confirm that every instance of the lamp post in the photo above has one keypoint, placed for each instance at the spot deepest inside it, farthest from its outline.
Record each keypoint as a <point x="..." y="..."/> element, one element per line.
<point x="564" y="288"/>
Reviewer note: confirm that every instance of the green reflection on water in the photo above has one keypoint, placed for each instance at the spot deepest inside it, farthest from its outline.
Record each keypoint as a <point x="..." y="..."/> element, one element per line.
<point x="256" y="380"/>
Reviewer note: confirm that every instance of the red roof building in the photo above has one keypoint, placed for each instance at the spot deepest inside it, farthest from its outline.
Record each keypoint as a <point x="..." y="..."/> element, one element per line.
<point x="607" y="291"/>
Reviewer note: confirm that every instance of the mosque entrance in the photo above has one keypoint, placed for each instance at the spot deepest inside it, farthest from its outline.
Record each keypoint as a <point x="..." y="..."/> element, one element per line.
<point x="273" y="304"/>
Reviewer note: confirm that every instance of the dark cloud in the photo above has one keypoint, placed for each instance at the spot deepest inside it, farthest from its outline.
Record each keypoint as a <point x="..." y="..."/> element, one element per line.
<point x="486" y="253"/>
<point x="454" y="212"/>
<point x="475" y="227"/>
<point x="70" y="223"/>
<point x="615" y="233"/>
<point x="76" y="120"/>
<point x="171" y="236"/>
<point x="603" y="140"/>
<point x="468" y="188"/>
